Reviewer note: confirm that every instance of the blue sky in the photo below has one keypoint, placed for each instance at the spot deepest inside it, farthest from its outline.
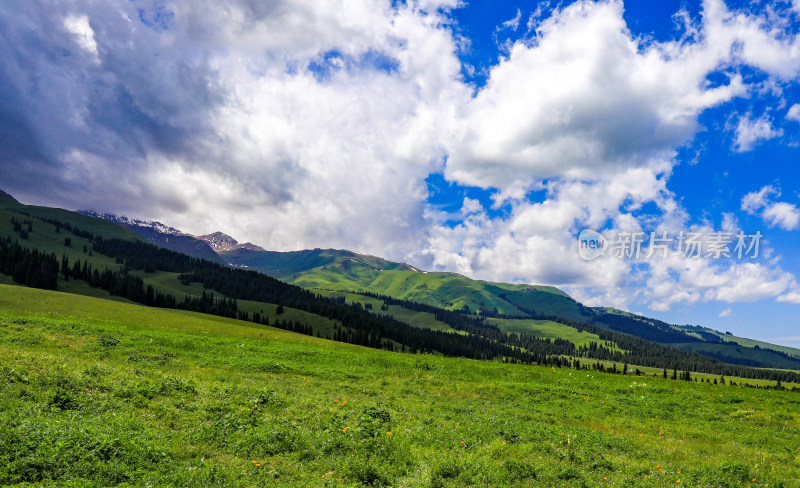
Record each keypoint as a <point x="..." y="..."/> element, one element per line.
<point x="709" y="178"/>
<point x="478" y="137"/>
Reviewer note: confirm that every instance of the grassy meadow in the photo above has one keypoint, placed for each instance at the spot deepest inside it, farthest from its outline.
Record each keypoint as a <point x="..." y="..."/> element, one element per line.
<point x="97" y="392"/>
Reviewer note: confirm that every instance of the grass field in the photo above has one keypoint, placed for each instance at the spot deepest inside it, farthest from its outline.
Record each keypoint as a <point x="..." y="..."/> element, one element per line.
<point x="547" y="329"/>
<point x="425" y="320"/>
<point x="96" y="393"/>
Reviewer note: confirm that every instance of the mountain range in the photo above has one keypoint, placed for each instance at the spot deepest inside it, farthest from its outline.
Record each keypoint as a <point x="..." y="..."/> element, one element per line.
<point x="398" y="292"/>
<point x="338" y="270"/>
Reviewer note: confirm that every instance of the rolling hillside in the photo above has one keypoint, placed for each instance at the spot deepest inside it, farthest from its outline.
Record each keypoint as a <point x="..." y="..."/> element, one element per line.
<point x="341" y="270"/>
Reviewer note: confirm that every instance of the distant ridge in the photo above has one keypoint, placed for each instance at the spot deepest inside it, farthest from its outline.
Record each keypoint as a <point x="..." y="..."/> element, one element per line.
<point x="220" y="242"/>
<point x="162" y="235"/>
<point x="158" y="226"/>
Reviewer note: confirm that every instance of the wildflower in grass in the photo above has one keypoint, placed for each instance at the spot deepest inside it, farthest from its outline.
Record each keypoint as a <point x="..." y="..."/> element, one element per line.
<point x="344" y="430"/>
<point x="389" y="433"/>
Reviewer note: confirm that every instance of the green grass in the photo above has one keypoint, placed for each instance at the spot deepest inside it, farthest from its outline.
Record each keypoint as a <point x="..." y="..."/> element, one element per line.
<point x="415" y="318"/>
<point x="96" y="393"/>
<point x="547" y="329"/>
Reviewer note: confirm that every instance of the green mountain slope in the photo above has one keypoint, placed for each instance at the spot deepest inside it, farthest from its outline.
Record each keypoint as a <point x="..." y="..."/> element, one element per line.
<point x="88" y="224"/>
<point x="338" y="270"/>
<point x="341" y="270"/>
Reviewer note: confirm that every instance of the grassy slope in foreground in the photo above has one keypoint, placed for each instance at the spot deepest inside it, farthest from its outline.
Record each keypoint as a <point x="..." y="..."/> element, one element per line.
<point x="96" y="392"/>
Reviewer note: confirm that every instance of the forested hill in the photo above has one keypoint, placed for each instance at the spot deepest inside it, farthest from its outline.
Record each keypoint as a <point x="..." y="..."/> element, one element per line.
<point x="39" y="250"/>
<point x="347" y="271"/>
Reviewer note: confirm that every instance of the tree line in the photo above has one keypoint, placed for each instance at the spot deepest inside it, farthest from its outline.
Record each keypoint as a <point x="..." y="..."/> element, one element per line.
<point x="629" y="348"/>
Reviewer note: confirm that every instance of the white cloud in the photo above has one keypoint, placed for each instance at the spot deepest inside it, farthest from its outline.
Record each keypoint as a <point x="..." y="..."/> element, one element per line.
<point x="728" y="312"/>
<point x="781" y="214"/>
<point x="84" y="35"/>
<point x="287" y="123"/>
<point x="513" y="23"/>
<point x="750" y="132"/>
<point x="794" y="111"/>
<point x="790" y="297"/>
<point x="675" y="279"/>
<point x="537" y="241"/>
<point x="585" y="96"/>
<point x="299" y="124"/>
<point x="757" y="200"/>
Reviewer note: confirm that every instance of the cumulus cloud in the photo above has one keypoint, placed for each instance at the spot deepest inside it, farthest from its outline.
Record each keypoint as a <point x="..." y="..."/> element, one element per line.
<point x="584" y="97"/>
<point x="750" y="132"/>
<point x="728" y="312"/>
<point x="288" y="123"/>
<point x="776" y="214"/>
<point x="790" y="297"/>
<point x="298" y="124"/>
<point x="794" y="112"/>
<point x="783" y="215"/>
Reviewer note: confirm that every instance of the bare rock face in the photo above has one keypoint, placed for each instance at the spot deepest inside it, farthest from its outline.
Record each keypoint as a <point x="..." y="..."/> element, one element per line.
<point x="220" y="242"/>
